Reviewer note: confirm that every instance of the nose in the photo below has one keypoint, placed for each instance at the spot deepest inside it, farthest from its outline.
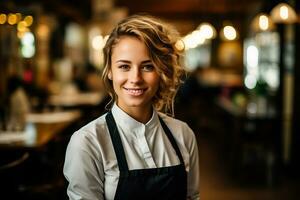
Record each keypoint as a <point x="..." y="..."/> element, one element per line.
<point x="135" y="75"/>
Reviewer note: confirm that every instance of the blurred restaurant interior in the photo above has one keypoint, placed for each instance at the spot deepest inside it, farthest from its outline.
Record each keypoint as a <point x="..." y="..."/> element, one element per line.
<point x="239" y="96"/>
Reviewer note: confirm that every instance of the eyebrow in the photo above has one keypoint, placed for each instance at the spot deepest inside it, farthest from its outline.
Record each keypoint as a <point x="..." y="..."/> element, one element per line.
<point x="127" y="61"/>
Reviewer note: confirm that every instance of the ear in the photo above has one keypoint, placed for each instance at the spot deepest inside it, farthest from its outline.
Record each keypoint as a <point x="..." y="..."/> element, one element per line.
<point x="109" y="75"/>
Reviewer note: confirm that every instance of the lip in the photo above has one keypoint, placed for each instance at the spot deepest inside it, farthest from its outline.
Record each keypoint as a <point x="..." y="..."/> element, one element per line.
<point x="135" y="91"/>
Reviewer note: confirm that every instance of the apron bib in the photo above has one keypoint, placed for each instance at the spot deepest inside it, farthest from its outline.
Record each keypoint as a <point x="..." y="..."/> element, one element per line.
<point x="164" y="183"/>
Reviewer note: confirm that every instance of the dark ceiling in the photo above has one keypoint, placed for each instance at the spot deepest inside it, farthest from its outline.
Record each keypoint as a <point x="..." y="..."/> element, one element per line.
<point x="174" y="8"/>
<point x="71" y="10"/>
<point x="80" y="10"/>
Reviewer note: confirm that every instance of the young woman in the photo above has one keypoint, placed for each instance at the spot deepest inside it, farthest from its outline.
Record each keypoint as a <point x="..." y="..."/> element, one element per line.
<point x="136" y="152"/>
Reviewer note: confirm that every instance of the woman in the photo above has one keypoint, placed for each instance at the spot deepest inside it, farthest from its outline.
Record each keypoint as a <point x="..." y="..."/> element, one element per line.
<point x="134" y="151"/>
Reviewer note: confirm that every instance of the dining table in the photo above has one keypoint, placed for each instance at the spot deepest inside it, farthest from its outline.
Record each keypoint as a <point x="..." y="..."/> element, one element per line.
<point x="77" y="99"/>
<point x="40" y="129"/>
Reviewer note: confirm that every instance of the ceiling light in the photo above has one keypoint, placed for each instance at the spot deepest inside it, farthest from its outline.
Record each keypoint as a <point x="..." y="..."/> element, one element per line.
<point x="283" y="13"/>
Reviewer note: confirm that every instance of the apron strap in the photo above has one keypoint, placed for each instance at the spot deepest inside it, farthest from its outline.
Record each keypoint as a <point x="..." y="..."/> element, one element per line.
<point x="117" y="142"/>
<point x="171" y="139"/>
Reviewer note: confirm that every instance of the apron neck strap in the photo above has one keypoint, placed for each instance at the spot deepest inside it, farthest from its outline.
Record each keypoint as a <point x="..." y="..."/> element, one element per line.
<point x="117" y="142"/>
<point x="171" y="139"/>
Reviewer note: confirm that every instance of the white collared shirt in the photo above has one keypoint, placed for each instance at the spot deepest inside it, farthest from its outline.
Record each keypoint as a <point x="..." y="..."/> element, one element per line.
<point x="91" y="166"/>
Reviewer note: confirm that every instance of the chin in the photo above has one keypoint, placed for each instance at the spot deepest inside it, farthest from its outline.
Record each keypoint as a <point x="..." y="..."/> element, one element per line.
<point x="137" y="104"/>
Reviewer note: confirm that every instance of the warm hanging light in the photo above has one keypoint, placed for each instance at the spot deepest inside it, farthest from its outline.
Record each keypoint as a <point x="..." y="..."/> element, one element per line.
<point x="19" y="17"/>
<point x="193" y="40"/>
<point x="21" y="26"/>
<point x="283" y="13"/>
<point x="28" y="20"/>
<point x="12" y="19"/>
<point x="207" y="30"/>
<point x="262" y="22"/>
<point x="3" y="18"/>
<point x="229" y="33"/>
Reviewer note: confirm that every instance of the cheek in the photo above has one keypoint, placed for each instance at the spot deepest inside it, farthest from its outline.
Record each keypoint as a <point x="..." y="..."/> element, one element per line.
<point x="155" y="80"/>
<point x="117" y="79"/>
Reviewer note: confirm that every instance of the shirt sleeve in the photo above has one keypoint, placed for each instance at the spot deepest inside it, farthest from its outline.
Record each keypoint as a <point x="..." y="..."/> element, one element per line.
<point x="83" y="169"/>
<point x="193" y="174"/>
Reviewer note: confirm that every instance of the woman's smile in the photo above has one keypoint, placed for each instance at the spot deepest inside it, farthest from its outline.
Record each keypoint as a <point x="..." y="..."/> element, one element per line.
<point x="135" y="91"/>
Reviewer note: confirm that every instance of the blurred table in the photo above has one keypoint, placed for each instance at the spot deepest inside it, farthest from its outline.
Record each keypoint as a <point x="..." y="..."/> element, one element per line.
<point x="211" y="77"/>
<point x="40" y="129"/>
<point x="77" y="99"/>
<point x="252" y="142"/>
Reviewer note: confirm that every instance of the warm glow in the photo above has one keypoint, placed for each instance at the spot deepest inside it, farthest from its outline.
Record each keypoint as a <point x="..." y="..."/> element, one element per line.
<point x="20" y="34"/>
<point x="98" y="42"/>
<point x="193" y="40"/>
<point x="12" y="19"/>
<point x="263" y="22"/>
<point x="28" y="20"/>
<point x="196" y="35"/>
<point x="95" y="55"/>
<point x="284" y="12"/>
<point x="19" y="17"/>
<point x="43" y="31"/>
<point x="207" y="31"/>
<point x="189" y="42"/>
<point x="2" y="18"/>
<point x="21" y="26"/>
<point x="179" y="45"/>
<point x="229" y="32"/>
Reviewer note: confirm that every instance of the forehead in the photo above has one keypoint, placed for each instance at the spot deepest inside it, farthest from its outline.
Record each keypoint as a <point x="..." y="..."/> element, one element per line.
<point x="129" y="47"/>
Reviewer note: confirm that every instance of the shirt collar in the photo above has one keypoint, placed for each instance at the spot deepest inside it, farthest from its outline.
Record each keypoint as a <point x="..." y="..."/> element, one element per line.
<point x="126" y="121"/>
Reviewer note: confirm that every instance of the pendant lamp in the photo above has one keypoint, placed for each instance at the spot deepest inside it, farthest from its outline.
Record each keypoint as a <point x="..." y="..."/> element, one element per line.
<point x="283" y="13"/>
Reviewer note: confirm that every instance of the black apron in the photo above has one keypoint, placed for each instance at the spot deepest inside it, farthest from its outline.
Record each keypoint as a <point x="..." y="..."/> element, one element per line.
<point x="164" y="183"/>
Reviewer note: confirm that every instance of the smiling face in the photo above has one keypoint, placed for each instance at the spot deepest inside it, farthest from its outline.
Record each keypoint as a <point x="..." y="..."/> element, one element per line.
<point x="135" y="79"/>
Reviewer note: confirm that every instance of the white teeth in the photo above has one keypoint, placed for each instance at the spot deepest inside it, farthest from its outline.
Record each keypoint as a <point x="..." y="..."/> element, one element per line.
<point x="135" y="91"/>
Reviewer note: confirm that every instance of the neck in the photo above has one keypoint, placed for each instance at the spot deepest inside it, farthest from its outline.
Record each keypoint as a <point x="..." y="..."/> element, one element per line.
<point x="140" y="114"/>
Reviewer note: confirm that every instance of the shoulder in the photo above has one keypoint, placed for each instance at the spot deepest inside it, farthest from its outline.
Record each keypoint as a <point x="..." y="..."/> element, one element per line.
<point x="179" y="129"/>
<point x="88" y="137"/>
<point x="174" y="123"/>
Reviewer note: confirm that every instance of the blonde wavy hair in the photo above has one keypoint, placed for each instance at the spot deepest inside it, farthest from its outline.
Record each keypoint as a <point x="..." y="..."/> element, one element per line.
<point x="160" y="39"/>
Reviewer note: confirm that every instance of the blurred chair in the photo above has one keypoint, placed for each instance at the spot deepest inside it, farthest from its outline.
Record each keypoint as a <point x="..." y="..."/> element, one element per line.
<point x="24" y="176"/>
<point x="12" y="166"/>
<point x="14" y="163"/>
